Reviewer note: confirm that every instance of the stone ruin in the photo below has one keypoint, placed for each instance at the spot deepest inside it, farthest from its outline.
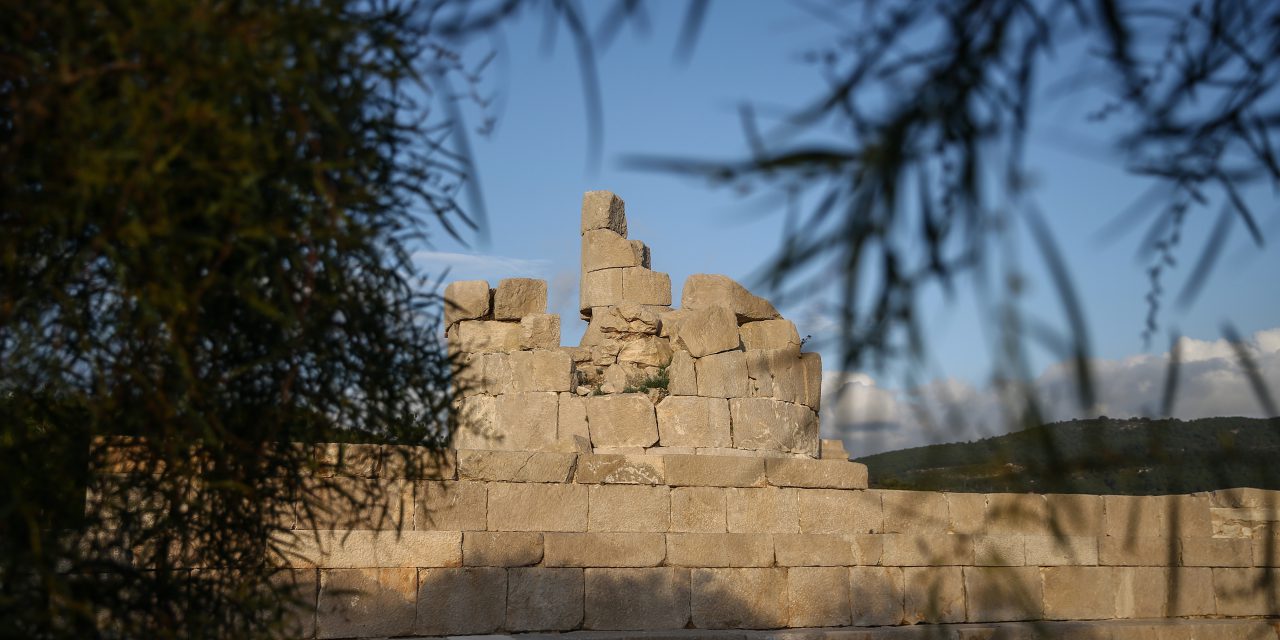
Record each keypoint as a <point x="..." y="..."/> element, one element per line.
<point x="723" y="374"/>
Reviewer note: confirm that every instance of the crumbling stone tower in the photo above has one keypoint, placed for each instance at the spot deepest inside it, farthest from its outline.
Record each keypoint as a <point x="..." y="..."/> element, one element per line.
<point x="723" y="374"/>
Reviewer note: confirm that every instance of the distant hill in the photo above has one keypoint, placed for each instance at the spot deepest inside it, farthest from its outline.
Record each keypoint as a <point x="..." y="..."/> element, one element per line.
<point x="1104" y="455"/>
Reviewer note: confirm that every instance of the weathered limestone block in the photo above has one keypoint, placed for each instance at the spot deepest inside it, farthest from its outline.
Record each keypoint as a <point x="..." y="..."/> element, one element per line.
<point x="707" y="331"/>
<point x="818" y="597"/>
<point x="997" y="594"/>
<point x="626" y="318"/>
<point x="770" y="334"/>
<point x="449" y="506"/>
<point x="763" y="510"/>
<point x="356" y="503"/>
<point x="816" y="474"/>
<point x="714" y="471"/>
<point x="515" y="466"/>
<point x="926" y="549"/>
<point x="914" y="511"/>
<point x="632" y="599"/>
<point x="1002" y="550"/>
<point x="601" y="288"/>
<point x="868" y="549"/>
<point x="485" y="336"/>
<point x="1025" y="513"/>
<point x="1159" y="592"/>
<point x="366" y="602"/>
<point x="1245" y="592"/>
<point x="301" y="586"/>
<point x="519" y="297"/>
<point x="669" y="323"/>
<point x="418" y="463"/>
<point x="1266" y="551"/>
<point x="877" y="595"/>
<point x="719" y="550"/>
<point x="832" y="450"/>
<point x="1131" y="516"/>
<point x="477" y="426"/>
<point x="501" y="548"/>
<point x="1137" y="551"/>
<point x="603" y="210"/>
<point x="1075" y="514"/>
<point x="624" y="420"/>
<point x="813" y="550"/>
<point x="362" y="549"/>
<point x="699" y="510"/>
<point x="681" y="375"/>
<point x="353" y="460"/>
<point x="604" y="549"/>
<point x="1048" y="551"/>
<point x="606" y="249"/>
<point x="739" y="598"/>
<point x="704" y="291"/>
<point x="524" y="421"/>
<point x="771" y="425"/>
<point x="541" y="371"/>
<point x="572" y="433"/>
<point x="488" y="373"/>
<point x="1244" y="498"/>
<point x="465" y="300"/>
<point x="544" y="599"/>
<point x="620" y="469"/>
<point x="777" y="374"/>
<point x="694" y="421"/>
<point x="933" y="594"/>
<point x="537" y="507"/>
<point x="628" y="508"/>
<point x="966" y="512"/>
<point x="540" y="331"/>
<point x="839" y="511"/>
<point x="618" y="377"/>
<point x="812" y="363"/>
<point x="722" y="375"/>
<point x="1079" y="593"/>
<point x="645" y="286"/>
<point x="645" y="351"/>
<point x="460" y="601"/>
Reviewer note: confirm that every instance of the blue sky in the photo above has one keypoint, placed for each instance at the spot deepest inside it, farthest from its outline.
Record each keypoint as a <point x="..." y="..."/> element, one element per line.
<point x="534" y="168"/>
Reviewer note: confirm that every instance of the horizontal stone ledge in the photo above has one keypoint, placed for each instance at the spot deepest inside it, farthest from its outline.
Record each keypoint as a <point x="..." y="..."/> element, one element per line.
<point x="816" y="474"/>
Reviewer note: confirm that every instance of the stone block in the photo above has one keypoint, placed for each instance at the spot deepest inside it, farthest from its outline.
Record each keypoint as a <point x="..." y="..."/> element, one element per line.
<point x="623" y="420"/>
<point x="706" y="291"/>
<point x="301" y="586"/>
<point x="714" y="471"/>
<point x="572" y="432"/>
<point x="763" y="510"/>
<point x="839" y="511"/>
<point x="1000" y="551"/>
<point x="776" y="373"/>
<point x="418" y="463"/>
<point x="1049" y="551"/>
<point x="603" y="210"/>
<point x="722" y="375"/>
<point x="633" y="599"/>
<point x="363" y="549"/>
<point x="603" y="549"/>
<point x="461" y="601"/>
<point x="524" y="421"/>
<point x="770" y="334"/>
<point x="915" y="511"/>
<point x="877" y="594"/>
<point x="366" y="602"/>
<point x="933" y="595"/>
<point x="966" y="512"/>
<point x="1245" y="498"/>
<point x="476" y="422"/>
<point x="466" y="300"/>
<point x="537" y="507"/>
<point x="485" y="336"/>
<point x="832" y="450"/>
<point x="1137" y="551"/>
<point x="645" y="286"/>
<point x="627" y="319"/>
<point x="1024" y="513"/>
<point x="501" y="548"/>
<point x="764" y="424"/>
<point x="607" y="249"/>
<point x="353" y="460"/>
<point x="516" y="466"/>
<point x="682" y="376"/>
<point x="601" y="288"/>
<point x="693" y="421"/>
<point x="739" y="598"/>
<point x="1245" y="592"/>
<point x="645" y="351"/>
<point x="699" y="510"/>
<point x="1134" y="516"/>
<point x="1079" y="593"/>
<point x="1075" y="514"/>
<point x="487" y="373"/>
<point x="707" y="331"/>
<point x="541" y="371"/>
<point x="540" y="331"/>
<point x="996" y="594"/>
<point x="812" y="365"/>
<point x="1159" y="592"/>
<point x="818" y="597"/>
<point x="620" y="469"/>
<point x="544" y="599"/>
<point x="449" y="506"/>
<point x="719" y="550"/>
<point x="628" y="508"/>
<point x="356" y="503"/>
<point x="926" y="549"/>
<point x="1216" y="552"/>
<point x="868" y="549"/>
<point x="813" y="550"/>
<point x="1266" y="551"/>
<point x="519" y="297"/>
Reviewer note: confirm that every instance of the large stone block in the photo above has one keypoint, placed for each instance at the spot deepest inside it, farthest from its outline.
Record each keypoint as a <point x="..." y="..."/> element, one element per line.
<point x="607" y="249"/>
<point x="540" y="331"/>
<point x="832" y="449"/>
<point x="877" y="595"/>
<point x="620" y="469"/>
<point x="633" y="599"/>
<point x="770" y="334"/>
<point x="645" y="351"/>
<point x="1159" y="592"/>
<point x="488" y="373"/>
<point x="466" y="300"/>
<point x="572" y="432"/>
<point x="996" y="594"/>
<point x="1001" y="550"/>
<point x="1134" y="516"/>
<point x="706" y="291"/>
<point x="628" y="508"/>
<point x="603" y="210"/>
<point x="544" y="599"/>
<point x="449" y="506"/>
<point x="301" y="586"/>
<point x="816" y="474"/>
<point x="363" y="549"/>
<point x="1024" y="513"/>
<point x="516" y="466"/>
<point x="776" y="373"/>
<point x="601" y="288"/>
<point x="914" y="511"/>
<point x="1049" y="551"/>
<point x="682" y="375"/>
<point x="693" y="421"/>
<point x="501" y="548"/>
<point x="812" y="364"/>
<point x="813" y="550"/>
<point x="714" y="471"/>
<point x="722" y="375"/>
<point x="356" y="503"/>
<point x="645" y="286"/>
<point x="933" y="594"/>
<point x="763" y="510"/>
<point x="699" y="510"/>
<point x="485" y="336"/>
<point x="418" y="463"/>
<point x="603" y="549"/>
<point x="519" y="297"/>
<point x="461" y="601"/>
<point x="1137" y="551"/>
<point x="1245" y="592"/>
<point x="719" y="550"/>
<point x="839" y="511"/>
<point x="541" y="371"/>
<point x="366" y="602"/>
<point x="623" y="420"/>
<point x="707" y="331"/>
<point x="1079" y="593"/>
<point x="1074" y="514"/>
<point x="523" y="421"/>
<point x="476" y="422"/>
<point x="966" y="512"/>
<point x="740" y="598"/>
<point x="537" y="507"/>
<point x="354" y="460"/>
<point x="926" y="549"/>
<point x="771" y="425"/>
<point x="818" y="597"/>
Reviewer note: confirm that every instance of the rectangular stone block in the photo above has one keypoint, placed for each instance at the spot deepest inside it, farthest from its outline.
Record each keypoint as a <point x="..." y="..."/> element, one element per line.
<point x="694" y="421"/>
<point x="1048" y="551"/>
<point x="301" y="586"/>
<point x="714" y="471"/>
<point x="1024" y="513"/>
<point x="537" y="507"/>
<point x="770" y="334"/>
<point x="914" y="511"/>
<point x="1216" y="552"/>
<point x="633" y="599"/>
<point x="629" y="508"/>
<point x="812" y="363"/>
<point x="832" y="449"/>
<point x="1245" y="498"/>
<point x="722" y="375"/>
<point x="603" y="210"/>
<point x="461" y="601"/>
<point x="706" y="331"/>
<point x="572" y="433"/>
<point x="1137" y="551"/>
<point x="999" y="551"/>
<point x="926" y="549"/>
<point x="501" y="548"/>
<point x="449" y="506"/>
<point x="966" y="512"/>
<point x="1079" y="593"/>
<point x="541" y="371"/>
<point x="740" y="598"/>
<point x="355" y="503"/>
<point x="644" y="286"/>
<point x="362" y="549"/>
<point x="763" y="510"/>
<point x="776" y="373"/>
<point x="817" y="474"/>
<point x="418" y="463"/>
<point x="622" y="420"/>
<point x="488" y="373"/>
<point x="606" y="249"/>
<point x="1134" y="516"/>
<point x="516" y="298"/>
<point x="620" y="469"/>
<point x="868" y="549"/>
<point x="1266" y="551"/>
<point x="544" y="599"/>
<point x="352" y="460"/>
<point x="484" y="336"/>
<point x="818" y="597"/>
<point x="839" y="511"/>
<point x="366" y="602"/>
<point x="771" y="425"/>
<point x="524" y="422"/>
<point x="465" y="300"/>
<point x="540" y="331"/>
<point x="515" y="466"/>
<point x="682" y="375"/>
<point x="996" y="594"/>
<point x="603" y="549"/>
<point x="933" y="595"/>
<point x="1159" y="592"/>
<point x="476" y="425"/>
<point x="877" y="594"/>
<point x="699" y="510"/>
<point x="813" y="550"/>
<point x="1075" y="514"/>
<point x="1245" y="592"/>
<point x="719" y="550"/>
<point x="601" y="288"/>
